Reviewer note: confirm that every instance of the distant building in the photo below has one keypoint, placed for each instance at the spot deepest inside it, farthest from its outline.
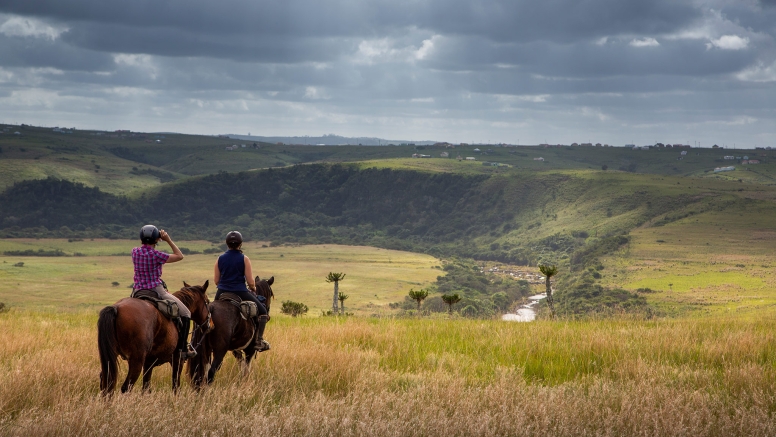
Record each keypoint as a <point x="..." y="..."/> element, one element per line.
<point x="728" y="157"/>
<point x="471" y="158"/>
<point x="444" y="155"/>
<point x="684" y="152"/>
<point x="538" y="159"/>
<point x="750" y="161"/>
<point x="721" y="169"/>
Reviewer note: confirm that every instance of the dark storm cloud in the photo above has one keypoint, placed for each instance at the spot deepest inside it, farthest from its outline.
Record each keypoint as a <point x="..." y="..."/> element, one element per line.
<point x="435" y="66"/>
<point x="28" y="52"/>
<point x="678" y="57"/>
<point x="202" y="28"/>
<point x="177" y="42"/>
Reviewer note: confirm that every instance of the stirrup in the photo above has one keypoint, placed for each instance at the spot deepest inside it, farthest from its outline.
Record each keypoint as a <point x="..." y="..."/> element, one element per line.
<point x="188" y="353"/>
<point x="262" y="345"/>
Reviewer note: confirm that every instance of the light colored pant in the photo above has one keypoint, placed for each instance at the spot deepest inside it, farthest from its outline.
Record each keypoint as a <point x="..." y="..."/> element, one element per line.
<point x="163" y="294"/>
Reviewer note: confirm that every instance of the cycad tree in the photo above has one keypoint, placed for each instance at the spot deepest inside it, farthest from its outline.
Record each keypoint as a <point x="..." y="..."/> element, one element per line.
<point x="335" y="278"/>
<point x="549" y="272"/>
<point x="450" y="300"/>
<point x="342" y="297"/>
<point x="418" y="296"/>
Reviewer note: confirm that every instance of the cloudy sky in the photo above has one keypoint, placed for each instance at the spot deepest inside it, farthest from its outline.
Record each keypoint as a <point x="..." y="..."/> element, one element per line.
<point x="515" y="71"/>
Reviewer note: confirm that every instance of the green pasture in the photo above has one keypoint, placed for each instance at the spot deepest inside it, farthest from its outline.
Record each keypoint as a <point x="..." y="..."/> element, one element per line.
<point x="710" y="262"/>
<point x="374" y="277"/>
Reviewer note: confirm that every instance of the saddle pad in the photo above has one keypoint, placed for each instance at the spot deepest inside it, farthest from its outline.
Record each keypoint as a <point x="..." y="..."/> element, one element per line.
<point x="230" y="296"/>
<point x="168" y="308"/>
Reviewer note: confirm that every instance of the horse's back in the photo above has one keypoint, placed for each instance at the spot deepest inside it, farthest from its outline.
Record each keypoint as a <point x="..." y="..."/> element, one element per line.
<point x="139" y="325"/>
<point x="231" y="330"/>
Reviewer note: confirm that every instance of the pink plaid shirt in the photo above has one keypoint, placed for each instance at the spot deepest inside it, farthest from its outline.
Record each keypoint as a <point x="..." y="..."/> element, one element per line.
<point x="148" y="266"/>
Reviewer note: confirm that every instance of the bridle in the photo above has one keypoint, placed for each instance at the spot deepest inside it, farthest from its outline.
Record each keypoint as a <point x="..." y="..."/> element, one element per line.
<point x="205" y="327"/>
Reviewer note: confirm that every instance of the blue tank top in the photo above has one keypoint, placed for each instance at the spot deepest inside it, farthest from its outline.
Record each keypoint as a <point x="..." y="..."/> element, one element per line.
<point x="231" y="264"/>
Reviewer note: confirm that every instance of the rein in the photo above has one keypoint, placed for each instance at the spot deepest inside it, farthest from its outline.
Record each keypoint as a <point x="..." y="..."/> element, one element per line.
<point x="204" y="327"/>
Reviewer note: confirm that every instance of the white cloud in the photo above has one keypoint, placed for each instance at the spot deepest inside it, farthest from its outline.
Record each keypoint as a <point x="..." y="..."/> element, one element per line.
<point x="759" y="73"/>
<point x="314" y="93"/>
<point x="729" y="42"/>
<point x="30" y="27"/>
<point x="602" y="41"/>
<point x="644" y="42"/>
<point x="426" y="48"/>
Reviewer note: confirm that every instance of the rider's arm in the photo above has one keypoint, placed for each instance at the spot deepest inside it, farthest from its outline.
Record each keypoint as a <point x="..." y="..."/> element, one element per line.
<point x="249" y="275"/>
<point x="177" y="255"/>
<point x="216" y="274"/>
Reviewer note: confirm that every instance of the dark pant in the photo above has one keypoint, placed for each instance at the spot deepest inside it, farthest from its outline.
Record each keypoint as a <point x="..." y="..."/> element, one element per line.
<point x="246" y="295"/>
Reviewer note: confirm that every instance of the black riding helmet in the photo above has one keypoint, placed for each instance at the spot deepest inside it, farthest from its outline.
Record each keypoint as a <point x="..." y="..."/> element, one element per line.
<point x="234" y="239"/>
<point x="149" y="234"/>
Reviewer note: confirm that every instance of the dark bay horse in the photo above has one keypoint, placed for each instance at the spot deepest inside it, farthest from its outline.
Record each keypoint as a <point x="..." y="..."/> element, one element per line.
<point x="135" y="330"/>
<point x="230" y="333"/>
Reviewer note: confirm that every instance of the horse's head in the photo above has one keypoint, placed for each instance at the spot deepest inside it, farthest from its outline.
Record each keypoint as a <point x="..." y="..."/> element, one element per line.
<point x="264" y="288"/>
<point x="196" y="300"/>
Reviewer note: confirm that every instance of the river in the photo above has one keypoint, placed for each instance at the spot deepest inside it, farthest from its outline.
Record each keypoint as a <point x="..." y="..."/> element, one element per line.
<point x="525" y="313"/>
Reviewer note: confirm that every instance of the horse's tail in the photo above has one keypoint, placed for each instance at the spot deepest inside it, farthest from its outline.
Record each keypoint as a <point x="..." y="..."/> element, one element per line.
<point x="198" y="366"/>
<point x="107" y="343"/>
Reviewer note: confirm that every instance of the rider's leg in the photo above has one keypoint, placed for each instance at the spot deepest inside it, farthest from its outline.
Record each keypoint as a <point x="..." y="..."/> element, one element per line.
<point x="262" y="318"/>
<point x="185" y="348"/>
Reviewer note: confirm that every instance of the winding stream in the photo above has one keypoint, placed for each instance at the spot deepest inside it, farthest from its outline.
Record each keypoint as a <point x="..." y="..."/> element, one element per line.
<point x="526" y="312"/>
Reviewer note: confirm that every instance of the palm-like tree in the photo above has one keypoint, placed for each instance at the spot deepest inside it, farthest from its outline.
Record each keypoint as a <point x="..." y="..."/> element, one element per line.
<point x="342" y="297"/>
<point x="335" y="278"/>
<point x="418" y="296"/>
<point x="450" y="300"/>
<point x="549" y="272"/>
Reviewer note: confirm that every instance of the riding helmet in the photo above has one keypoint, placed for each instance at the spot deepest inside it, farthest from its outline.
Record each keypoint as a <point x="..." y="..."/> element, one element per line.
<point x="149" y="234"/>
<point x="234" y="239"/>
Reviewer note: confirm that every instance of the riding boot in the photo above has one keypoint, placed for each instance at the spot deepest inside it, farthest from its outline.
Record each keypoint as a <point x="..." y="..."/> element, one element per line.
<point x="184" y="347"/>
<point x="260" y="344"/>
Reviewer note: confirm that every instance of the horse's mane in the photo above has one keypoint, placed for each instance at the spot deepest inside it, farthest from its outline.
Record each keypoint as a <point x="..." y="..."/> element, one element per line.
<point x="187" y="295"/>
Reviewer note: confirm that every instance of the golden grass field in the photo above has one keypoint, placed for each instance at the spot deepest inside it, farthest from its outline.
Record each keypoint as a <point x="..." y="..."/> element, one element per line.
<point x="361" y="376"/>
<point x="687" y="376"/>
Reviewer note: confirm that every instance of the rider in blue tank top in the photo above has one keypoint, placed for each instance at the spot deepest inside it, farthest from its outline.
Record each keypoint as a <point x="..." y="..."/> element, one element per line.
<point x="231" y="273"/>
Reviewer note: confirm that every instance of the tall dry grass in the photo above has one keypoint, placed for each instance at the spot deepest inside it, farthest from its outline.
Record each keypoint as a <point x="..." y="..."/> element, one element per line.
<point x="413" y="378"/>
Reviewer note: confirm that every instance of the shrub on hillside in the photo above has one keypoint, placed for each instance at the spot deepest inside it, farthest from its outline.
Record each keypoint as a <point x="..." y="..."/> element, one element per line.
<point x="588" y="299"/>
<point x="293" y="309"/>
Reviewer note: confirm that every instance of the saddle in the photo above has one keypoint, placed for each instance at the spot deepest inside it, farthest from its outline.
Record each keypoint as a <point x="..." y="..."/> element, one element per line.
<point x="168" y="308"/>
<point x="248" y="309"/>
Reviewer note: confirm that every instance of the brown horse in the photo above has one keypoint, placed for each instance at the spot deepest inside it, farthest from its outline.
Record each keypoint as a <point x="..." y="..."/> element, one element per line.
<point x="135" y="330"/>
<point x="230" y="333"/>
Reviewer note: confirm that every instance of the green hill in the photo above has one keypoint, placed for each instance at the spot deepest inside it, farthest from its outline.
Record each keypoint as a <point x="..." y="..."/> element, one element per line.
<point x="615" y="220"/>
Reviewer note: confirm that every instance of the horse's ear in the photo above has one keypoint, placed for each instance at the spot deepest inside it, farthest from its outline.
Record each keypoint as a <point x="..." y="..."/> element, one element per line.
<point x="204" y="286"/>
<point x="271" y="280"/>
<point x="186" y="285"/>
<point x="257" y="279"/>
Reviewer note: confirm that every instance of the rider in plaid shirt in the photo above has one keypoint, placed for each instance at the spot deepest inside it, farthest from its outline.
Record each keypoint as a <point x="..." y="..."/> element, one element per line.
<point x="148" y="276"/>
<point x="148" y="266"/>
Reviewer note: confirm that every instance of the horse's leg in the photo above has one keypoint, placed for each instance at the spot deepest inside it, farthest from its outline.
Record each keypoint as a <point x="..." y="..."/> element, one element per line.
<point x="218" y="358"/>
<point x="135" y="368"/>
<point x="247" y="363"/>
<point x="177" y="364"/>
<point x="148" y="369"/>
